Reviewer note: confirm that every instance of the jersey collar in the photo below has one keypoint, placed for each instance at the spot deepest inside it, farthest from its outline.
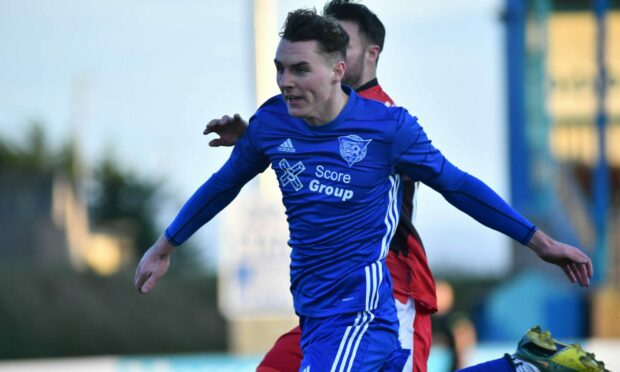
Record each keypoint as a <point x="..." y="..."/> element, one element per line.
<point x="372" y="83"/>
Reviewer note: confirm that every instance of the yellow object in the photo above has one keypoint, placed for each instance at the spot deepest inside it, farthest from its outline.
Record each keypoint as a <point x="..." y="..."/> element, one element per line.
<point x="540" y="349"/>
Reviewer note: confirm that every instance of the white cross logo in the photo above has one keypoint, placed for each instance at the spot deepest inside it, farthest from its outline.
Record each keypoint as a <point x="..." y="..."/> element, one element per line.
<point x="290" y="174"/>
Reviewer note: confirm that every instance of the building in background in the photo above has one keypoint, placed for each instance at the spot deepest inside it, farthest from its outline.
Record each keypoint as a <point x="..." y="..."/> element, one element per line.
<point x="44" y="223"/>
<point x="563" y="60"/>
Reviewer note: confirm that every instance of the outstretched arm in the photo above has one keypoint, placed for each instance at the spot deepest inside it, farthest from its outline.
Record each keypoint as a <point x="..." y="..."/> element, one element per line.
<point x="207" y="201"/>
<point x="479" y="201"/>
<point x="230" y="129"/>
<point x="414" y="155"/>
<point x="214" y="195"/>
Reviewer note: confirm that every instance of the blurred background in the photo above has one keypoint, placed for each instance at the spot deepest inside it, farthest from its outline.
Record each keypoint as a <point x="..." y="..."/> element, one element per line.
<point x="102" y="106"/>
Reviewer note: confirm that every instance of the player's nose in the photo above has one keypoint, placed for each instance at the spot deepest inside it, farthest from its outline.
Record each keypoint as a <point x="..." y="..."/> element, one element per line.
<point x="285" y="80"/>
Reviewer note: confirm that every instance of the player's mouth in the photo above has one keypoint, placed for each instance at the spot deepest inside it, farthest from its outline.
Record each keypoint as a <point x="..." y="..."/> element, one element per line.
<point x="292" y="100"/>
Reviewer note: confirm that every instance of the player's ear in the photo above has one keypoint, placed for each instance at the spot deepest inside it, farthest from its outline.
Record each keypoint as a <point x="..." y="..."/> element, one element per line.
<point x="338" y="71"/>
<point x="372" y="53"/>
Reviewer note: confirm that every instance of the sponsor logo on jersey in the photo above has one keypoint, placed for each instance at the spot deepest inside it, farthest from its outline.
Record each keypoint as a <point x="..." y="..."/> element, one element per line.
<point x="331" y="177"/>
<point x="353" y="148"/>
<point x="327" y="182"/>
<point x="329" y="190"/>
<point x="290" y="174"/>
<point x="287" y="146"/>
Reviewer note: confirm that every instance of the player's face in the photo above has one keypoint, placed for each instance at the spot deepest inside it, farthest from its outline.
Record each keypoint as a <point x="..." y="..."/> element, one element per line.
<point x="308" y="79"/>
<point x="356" y="53"/>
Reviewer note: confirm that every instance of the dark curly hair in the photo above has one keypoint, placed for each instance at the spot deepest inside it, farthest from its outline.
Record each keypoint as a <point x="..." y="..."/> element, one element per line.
<point x="347" y="10"/>
<point x="307" y="25"/>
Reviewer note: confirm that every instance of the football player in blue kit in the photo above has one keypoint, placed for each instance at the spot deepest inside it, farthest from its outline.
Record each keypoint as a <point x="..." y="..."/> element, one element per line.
<point x="338" y="158"/>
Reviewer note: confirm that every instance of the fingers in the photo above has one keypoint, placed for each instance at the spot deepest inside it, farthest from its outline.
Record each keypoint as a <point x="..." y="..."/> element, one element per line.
<point x="141" y="279"/>
<point x="136" y="275"/>
<point x="589" y="268"/>
<point x="569" y="273"/>
<point x="217" y="142"/>
<point x="583" y="275"/>
<point x="210" y="126"/>
<point x="583" y="268"/>
<point x="576" y="265"/>
<point x="577" y="273"/>
<point x="580" y="266"/>
<point x="137" y="278"/>
<point x="149" y="284"/>
<point x="215" y="124"/>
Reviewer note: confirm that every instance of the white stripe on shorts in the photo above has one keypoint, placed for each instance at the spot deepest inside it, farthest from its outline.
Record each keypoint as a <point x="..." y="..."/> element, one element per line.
<point x="350" y="342"/>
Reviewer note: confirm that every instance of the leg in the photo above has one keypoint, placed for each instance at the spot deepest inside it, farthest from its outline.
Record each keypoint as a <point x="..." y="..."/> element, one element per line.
<point x="498" y="365"/>
<point x="422" y="340"/>
<point x="285" y="354"/>
<point x="366" y="341"/>
<point x="406" y="329"/>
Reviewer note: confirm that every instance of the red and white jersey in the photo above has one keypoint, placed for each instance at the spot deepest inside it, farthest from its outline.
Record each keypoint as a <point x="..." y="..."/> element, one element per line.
<point x="411" y="275"/>
<point x="372" y="90"/>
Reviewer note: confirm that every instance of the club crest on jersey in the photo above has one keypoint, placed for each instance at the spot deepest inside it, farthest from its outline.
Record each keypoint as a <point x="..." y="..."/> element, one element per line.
<point x="353" y="148"/>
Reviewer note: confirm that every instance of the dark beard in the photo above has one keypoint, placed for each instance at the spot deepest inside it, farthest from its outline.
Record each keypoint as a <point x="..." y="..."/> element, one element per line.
<point x="355" y="80"/>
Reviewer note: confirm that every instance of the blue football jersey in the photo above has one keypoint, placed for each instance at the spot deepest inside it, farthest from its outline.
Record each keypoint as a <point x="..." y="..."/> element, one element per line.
<point x="341" y="188"/>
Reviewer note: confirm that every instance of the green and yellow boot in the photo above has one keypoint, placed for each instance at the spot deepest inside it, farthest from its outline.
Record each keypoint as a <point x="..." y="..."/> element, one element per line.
<point x="540" y="349"/>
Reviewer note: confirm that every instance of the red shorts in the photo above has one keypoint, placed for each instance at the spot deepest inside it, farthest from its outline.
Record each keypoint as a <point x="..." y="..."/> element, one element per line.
<point x="422" y="339"/>
<point x="285" y="355"/>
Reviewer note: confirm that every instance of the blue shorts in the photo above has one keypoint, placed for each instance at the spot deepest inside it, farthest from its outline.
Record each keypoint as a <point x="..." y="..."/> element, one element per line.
<point x="364" y="341"/>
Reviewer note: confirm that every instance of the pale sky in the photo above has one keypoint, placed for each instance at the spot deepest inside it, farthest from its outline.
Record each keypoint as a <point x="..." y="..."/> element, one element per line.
<point x="153" y="73"/>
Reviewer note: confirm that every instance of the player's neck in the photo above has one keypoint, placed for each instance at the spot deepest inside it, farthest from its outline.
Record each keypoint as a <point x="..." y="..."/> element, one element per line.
<point x="330" y="109"/>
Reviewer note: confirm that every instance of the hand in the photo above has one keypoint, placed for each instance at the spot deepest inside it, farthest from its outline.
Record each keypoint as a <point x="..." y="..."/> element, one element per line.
<point x="153" y="265"/>
<point x="576" y="265"/>
<point x="229" y="130"/>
